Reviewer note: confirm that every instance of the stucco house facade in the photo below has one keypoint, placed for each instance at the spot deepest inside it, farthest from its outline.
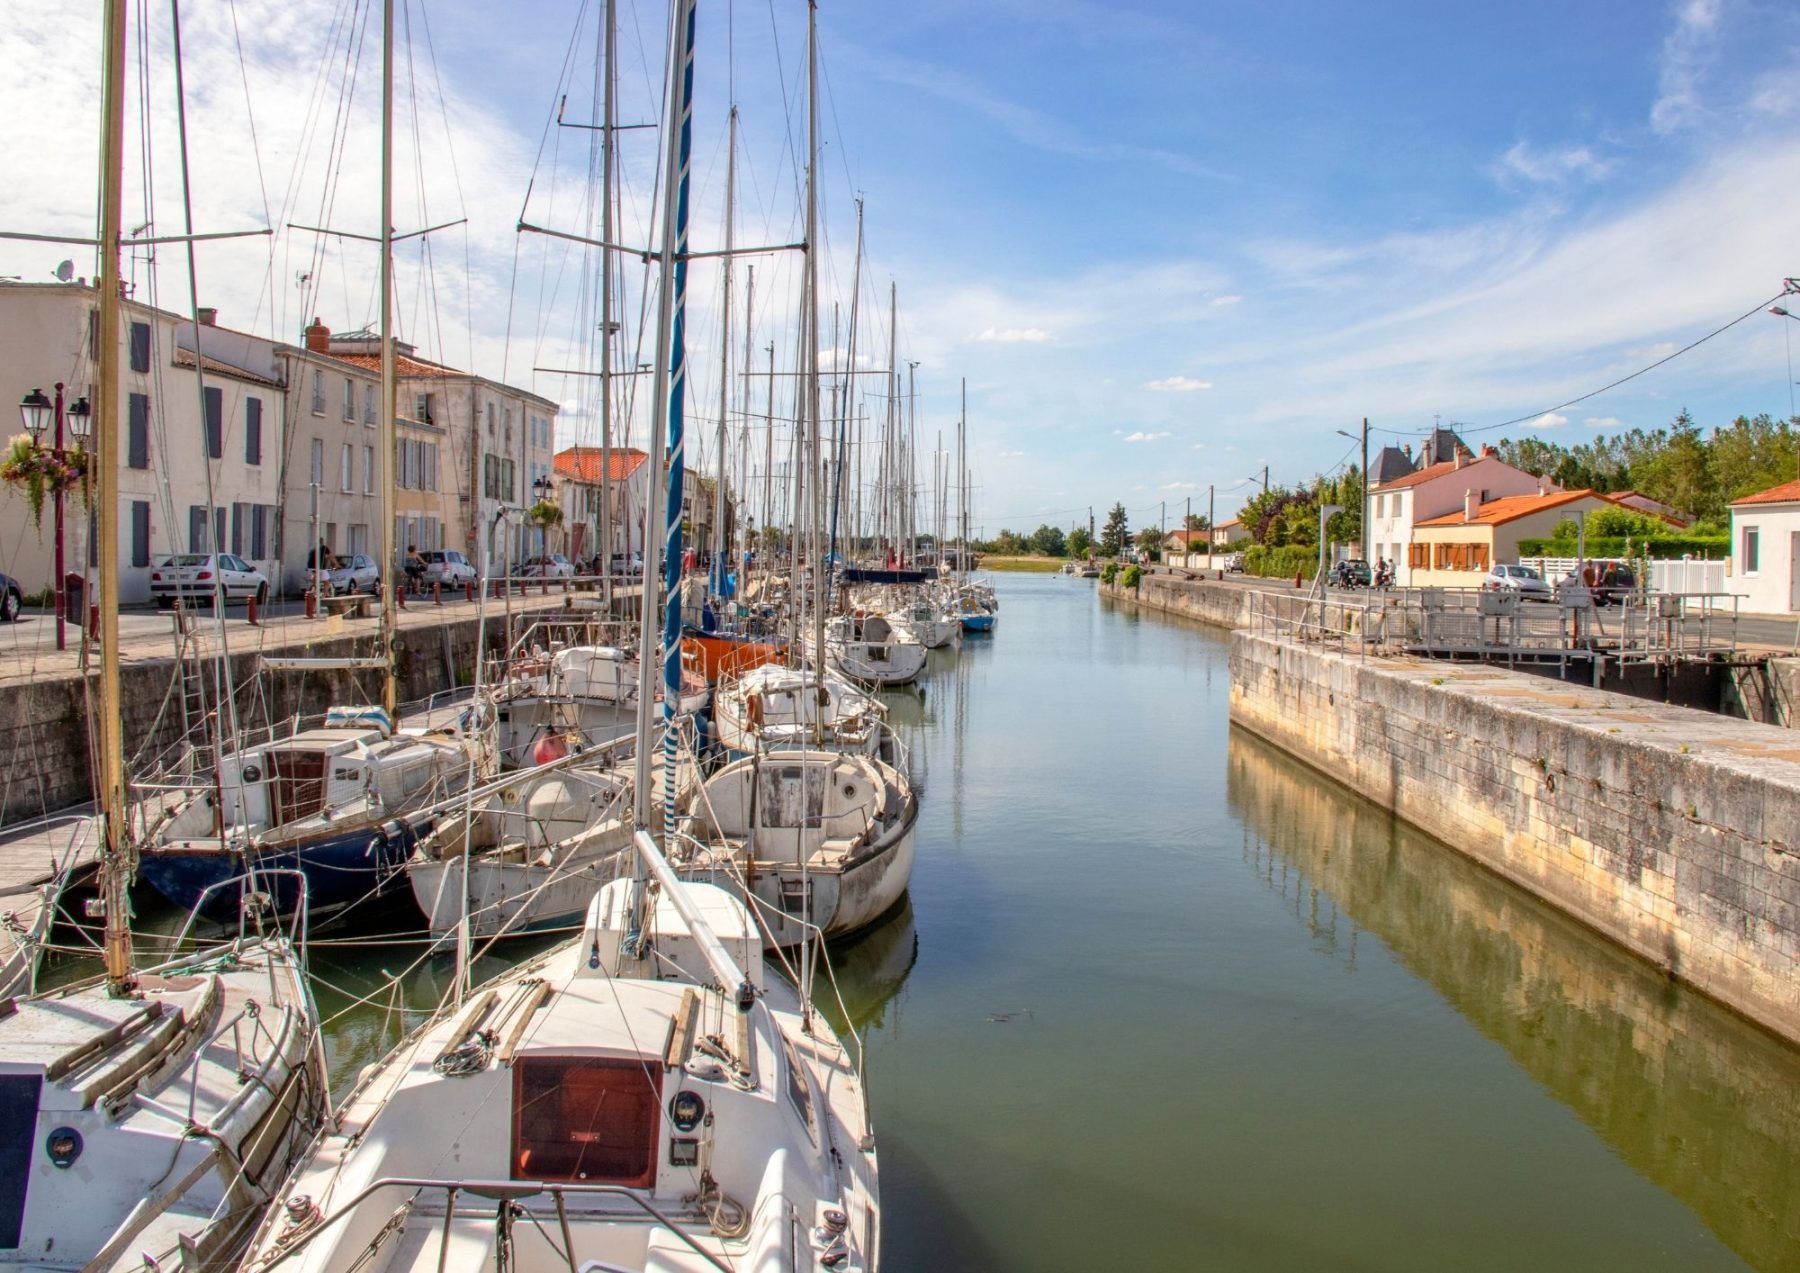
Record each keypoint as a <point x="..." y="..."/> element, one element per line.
<point x="1765" y="549"/>
<point x="1399" y="506"/>
<point x="1456" y="549"/>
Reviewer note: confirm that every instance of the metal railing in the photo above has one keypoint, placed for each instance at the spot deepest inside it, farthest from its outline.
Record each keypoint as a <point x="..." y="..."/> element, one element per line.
<point x="1632" y="629"/>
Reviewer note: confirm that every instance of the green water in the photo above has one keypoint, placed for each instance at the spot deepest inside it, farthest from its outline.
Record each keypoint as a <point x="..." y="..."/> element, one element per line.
<point x="1163" y="998"/>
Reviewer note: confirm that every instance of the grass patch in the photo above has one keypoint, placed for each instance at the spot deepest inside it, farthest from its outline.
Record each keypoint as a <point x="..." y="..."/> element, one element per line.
<point x="1033" y="565"/>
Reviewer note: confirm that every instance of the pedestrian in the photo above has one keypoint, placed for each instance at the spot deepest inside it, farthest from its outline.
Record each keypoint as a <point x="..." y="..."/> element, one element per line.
<point x="415" y="571"/>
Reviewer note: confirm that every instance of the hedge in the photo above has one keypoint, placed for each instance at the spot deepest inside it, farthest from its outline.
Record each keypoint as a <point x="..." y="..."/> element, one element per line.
<point x="1281" y="563"/>
<point x="1669" y="547"/>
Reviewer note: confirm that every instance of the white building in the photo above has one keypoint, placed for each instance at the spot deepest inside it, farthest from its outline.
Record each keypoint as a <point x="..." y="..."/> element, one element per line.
<point x="1396" y="507"/>
<point x="1765" y="549"/>
<point x="190" y="435"/>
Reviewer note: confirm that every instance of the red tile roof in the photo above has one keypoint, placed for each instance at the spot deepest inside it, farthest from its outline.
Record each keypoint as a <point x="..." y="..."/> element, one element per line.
<point x="582" y="463"/>
<point x="403" y="365"/>
<point x="1509" y="508"/>
<point x="1786" y="493"/>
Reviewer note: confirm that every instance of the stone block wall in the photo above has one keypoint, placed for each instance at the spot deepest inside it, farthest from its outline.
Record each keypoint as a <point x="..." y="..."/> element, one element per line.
<point x="1675" y="832"/>
<point x="1226" y="605"/>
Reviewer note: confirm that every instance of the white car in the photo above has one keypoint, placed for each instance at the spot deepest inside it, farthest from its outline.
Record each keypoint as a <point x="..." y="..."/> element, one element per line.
<point x="555" y="566"/>
<point x="1523" y="580"/>
<point x="193" y="576"/>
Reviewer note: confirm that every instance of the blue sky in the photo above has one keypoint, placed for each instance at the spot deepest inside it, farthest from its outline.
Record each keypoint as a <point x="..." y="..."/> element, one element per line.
<point x="1165" y="243"/>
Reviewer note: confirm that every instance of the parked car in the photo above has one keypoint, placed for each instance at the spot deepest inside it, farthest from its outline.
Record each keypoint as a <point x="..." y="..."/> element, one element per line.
<point x="12" y="599"/>
<point x="1352" y="574"/>
<point x="1615" y="581"/>
<point x="354" y="572"/>
<point x="1523" y="580"/>
<point x="1232" y="563"/>
<point x="446" y="566"/>
<point x="628" y="563"/>
<point x="554" y="566"/>
<point x="192" y="577"/>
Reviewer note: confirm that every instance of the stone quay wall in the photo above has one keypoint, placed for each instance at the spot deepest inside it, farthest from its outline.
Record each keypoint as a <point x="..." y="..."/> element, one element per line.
<point x="44" y="734"/>
<point x="1672" y="831"/>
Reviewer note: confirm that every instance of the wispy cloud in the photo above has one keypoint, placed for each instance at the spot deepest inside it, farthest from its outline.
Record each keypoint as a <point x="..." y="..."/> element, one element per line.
<point x="1549" y="420"/>
<point x="1549" y="166"/>
<point x="1147" y="437"/>
<point x="1180" y="486"/>
<point x="1011" y="455"/>
<point x="1178" y="384"/>
<point x="1604" y="422"/>
<point x="1687" y="50"/>
<point x="1226" y="300"/>
<point x="1014" y="335"/>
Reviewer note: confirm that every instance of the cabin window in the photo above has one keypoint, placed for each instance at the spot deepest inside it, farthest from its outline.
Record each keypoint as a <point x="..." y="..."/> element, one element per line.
<point x="799" y="1095"/>
<point x="18" y="1141"/>
<point x="584" y="1119"/>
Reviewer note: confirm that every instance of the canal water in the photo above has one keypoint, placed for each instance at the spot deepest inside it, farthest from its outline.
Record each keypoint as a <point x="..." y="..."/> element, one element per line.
<point x="1163" y="998"/>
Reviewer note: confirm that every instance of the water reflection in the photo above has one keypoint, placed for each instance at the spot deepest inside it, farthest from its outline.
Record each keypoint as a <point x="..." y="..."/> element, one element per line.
<point x="870" y="969"/>
<point x="1693" y="1097"/>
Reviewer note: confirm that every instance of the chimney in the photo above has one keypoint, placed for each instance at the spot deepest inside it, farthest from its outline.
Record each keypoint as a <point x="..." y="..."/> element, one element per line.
<point x="318" y="338"/>
<point x="1470" y="504"/>
<point x="1488" y="452"/>
<point x="1543" y="484"/>
<point x="209" y="317"/>
<point x="1461" y="457"/>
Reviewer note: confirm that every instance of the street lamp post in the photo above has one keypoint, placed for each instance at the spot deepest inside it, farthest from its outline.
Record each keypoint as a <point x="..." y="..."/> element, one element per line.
<point x="40" y="414"/>
<point x="541" y="491"/>
<point x="1343" y="433"/>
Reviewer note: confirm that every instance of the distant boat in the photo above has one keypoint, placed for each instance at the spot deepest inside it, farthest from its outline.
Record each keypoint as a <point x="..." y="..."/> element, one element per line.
<point x="868" y="648"/>
<point x="775" y="708"/>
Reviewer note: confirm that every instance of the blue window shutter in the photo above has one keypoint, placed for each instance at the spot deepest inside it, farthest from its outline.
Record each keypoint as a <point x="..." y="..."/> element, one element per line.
<point x="140" y="532"/>
<point x="138" y="436"/>
<point x="215" y="423"/>
<point x="196" y="528"/>
<point x="140" y="346"/>
<point x="253" y="431"/>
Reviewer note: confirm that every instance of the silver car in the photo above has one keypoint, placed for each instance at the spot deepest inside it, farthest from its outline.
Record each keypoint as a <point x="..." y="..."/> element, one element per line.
<point x="1522" y="580"/>
<point x="354" y="572"/>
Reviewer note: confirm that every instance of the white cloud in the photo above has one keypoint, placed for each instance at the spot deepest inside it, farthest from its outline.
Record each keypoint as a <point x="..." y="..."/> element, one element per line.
<point x="1604" y="422"/>
<point x="1147" y="437"/>
<point x="1549" y="166"/>
<point x="1178" y="384"/>
<point x="1549" y="420"/>
<point x="1014" y="335"/>
<point x="1011" y="455"/>
<point x="1687" y="50"/>
<point x="1226" y="300"/>
<point x="1180" y="486"/>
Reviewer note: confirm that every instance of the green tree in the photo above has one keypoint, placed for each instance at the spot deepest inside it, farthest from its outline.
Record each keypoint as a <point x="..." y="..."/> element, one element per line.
<point x="1048" y="540"/>
<point x="1115" y="534"/>
<point x="1080" y="543"/>
<point x="1198" y="521"/>
<point x="1149" y="542"/>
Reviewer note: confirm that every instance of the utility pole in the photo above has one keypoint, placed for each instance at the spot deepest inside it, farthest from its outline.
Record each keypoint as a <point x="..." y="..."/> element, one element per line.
<point x="1211" y="524"/>
<point x="1265" y="479"/>
<point x="1365" y="493"/>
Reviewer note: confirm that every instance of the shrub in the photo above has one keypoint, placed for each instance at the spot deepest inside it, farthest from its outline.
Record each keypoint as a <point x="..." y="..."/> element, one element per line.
<point x="1281" y="563"/>
<point x="1131" y="576"/>
<point x="1109" y="572"/>
<point x="1710" y="547"/>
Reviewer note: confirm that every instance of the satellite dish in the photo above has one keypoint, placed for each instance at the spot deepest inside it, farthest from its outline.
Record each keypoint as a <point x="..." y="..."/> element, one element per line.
<point x="65" y="271"/>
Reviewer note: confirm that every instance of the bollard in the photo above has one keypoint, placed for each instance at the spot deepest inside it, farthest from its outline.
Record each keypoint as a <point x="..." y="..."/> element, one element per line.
<point x="311" y="600"/>
<point x="469" y="590"/>
<point x="400" y="597"/>
<point x="437" y="593"/>
<point x="250" y="611"/>
<point x="1221" y="576"/>
<point x="94" y="622"/>
<point x="1296" y="579"/>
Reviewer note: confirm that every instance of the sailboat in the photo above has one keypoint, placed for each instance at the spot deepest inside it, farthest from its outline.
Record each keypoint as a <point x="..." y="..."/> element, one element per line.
<point x="647" y="1096"/>
<point x="146" y="1114"/>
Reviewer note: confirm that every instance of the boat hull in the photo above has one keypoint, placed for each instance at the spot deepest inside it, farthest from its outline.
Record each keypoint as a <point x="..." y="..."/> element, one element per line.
<point x="517" y="897"/>
<point x="345" y="868"/>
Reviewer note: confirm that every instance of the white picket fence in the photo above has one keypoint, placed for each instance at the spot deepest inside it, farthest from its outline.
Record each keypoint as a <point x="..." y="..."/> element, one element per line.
<point x="1674" y="576"/>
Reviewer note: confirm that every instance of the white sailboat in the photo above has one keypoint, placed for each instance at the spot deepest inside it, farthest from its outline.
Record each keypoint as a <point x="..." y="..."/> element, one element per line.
<point x="868" y="648"/>
<point x="646" y="1097"/>
<point x="779" y="708"/>
<point x="146" y="1114"/>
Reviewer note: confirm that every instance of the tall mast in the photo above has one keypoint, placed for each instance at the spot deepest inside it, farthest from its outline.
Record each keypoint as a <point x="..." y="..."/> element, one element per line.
<point x="666" y="432"/>
<point x="385" y="450"/>
<point x="107" y="717"/>
<point x="606" y="318"/>
<point x="718" y="534"/>
<point x="848" y="379"/>
<point x="810" y="322"/>
<point x="890" y="439"/>
<point x="962" y="481"/>
<point x="743" y="485"/>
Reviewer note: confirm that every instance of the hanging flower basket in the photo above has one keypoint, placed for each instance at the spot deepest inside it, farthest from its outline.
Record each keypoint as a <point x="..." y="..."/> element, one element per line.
<point x="545" y="513"/>
<point x="38" y="471"/>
